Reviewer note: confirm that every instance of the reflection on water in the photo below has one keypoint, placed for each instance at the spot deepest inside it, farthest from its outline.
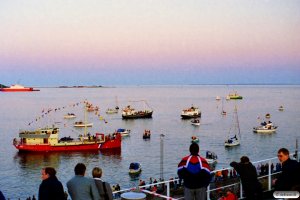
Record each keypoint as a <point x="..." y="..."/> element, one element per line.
<point x="34" y="160"/>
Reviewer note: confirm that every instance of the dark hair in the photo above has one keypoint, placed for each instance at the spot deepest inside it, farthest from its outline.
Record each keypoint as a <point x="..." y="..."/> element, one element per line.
<point x="50" y="171"/>
<point x="244" y="159"/>
<point x="284" y="151"/>
<point x="80" y="169"/>
<point x="194" y="149"/>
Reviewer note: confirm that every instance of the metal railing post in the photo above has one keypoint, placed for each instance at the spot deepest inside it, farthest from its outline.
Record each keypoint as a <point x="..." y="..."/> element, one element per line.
<point x="208" y="192"/>
<point x="168" y="189"/>
<point x="269" y="176"/>
<point x="241" y="190"/>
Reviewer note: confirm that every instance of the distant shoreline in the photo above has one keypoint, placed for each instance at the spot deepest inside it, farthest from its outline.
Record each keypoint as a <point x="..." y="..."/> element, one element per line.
<point x="164" y="85"/>
<point x="171" y="85"/>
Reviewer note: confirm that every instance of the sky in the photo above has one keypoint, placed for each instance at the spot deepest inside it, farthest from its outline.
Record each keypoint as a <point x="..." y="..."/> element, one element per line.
<point x="136" y="42"/>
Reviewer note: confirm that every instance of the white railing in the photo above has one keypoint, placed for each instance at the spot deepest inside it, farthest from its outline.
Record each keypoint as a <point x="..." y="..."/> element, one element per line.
<point x="166" y="184"/>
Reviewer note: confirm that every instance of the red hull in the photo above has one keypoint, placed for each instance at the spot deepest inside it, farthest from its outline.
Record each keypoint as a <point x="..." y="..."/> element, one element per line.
<point x="17" y="90"/>
<point x="111" y="144"/>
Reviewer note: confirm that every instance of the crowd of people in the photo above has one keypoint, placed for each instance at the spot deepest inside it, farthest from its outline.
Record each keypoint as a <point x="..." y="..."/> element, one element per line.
<point x="194" y="175"/>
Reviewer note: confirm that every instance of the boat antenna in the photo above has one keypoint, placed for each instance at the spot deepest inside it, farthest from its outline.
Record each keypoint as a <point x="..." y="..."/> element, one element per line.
<point x="162" y="156"/>
<point x="85" y="120"/>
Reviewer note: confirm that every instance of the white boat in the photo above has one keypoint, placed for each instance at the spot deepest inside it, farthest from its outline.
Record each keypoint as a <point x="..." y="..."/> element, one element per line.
<point x="81" y="124"/>
<point x="265" y="128"/>
<point x="211" y="158"/>
<point x="111" y="111"/>
<point x="192" y="112"/>
<point x="70" y="116"/>
<point x="195" y="122"/>
<point x="123" y="132"/>
<point x="234" y="141"/>
<point x="218" y="98"/>
<point x="227" y="97"/>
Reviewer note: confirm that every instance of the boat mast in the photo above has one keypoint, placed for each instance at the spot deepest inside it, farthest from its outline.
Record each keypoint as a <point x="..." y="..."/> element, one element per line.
<point x="117" y="103"/>
<point x="237" y="121"/>
<point x="85" y="120"/>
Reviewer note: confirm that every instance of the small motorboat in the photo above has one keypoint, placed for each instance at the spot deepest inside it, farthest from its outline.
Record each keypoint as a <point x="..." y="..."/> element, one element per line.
<point x="135" y="168"/>
<point x="123" y="132"/>
<point x="81" y="124"/>
<point x="218" y="98"/>
<point x="280" y="108"/>
<point x="211" y="158"/>
<point x="111" y="111"/>
<point x="234" y="95"/>
<point x="70" y="116"/>
<point x="147" y="134"/>
<point x="265" y="128"/>
<point x="195" y="122"/>
<point x="194" y="139"/>
<point x="268" y="115"/>
<point x="223" y="112"/>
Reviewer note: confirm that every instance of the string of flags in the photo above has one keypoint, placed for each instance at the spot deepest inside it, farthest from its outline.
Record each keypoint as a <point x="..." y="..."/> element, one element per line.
<point x="89" y="106"/>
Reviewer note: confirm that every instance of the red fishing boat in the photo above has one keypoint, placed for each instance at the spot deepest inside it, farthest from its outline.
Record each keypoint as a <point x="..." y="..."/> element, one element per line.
<point x="47" y="139"/>
<point x="17" y="88"/>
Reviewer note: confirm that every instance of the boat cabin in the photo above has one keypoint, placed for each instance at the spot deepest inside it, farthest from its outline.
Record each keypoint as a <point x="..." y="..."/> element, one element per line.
<point x="40" y="136"/>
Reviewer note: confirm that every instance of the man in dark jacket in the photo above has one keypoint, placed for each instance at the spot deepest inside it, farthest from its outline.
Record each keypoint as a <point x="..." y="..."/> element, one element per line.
<point x="290" y="176"/>
<point x="195" y="172"/>
<point x="248" y="175"/>
<point x="50" y="188"/>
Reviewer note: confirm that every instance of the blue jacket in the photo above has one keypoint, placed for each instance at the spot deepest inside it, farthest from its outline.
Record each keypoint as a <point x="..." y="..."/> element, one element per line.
<point x="195" y="172"/>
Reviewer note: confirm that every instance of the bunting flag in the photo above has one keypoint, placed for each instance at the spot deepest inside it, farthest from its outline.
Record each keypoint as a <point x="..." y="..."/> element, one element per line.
<point x="48" y="111"/>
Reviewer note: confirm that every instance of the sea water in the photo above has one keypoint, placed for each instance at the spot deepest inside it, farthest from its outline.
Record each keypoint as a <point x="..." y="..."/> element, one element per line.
<point x="20" y="172"/>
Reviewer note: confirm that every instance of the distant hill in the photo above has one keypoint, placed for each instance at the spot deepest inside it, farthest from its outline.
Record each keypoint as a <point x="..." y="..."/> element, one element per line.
<point x="3" y="86"/>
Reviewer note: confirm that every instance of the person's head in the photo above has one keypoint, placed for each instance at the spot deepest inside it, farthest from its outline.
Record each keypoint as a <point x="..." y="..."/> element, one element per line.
<point x="194" y="149"/>
<point x="283" y="154"/>
<point x="229" y="192"/>
<point x="97" y="172"/>
<point x="48" y="172"/>
<point x="244" y="160"/>
<point x="80" y="169"/>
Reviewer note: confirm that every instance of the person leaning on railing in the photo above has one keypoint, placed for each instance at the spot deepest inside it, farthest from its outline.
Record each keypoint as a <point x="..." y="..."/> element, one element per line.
<point x="248" y="175"/>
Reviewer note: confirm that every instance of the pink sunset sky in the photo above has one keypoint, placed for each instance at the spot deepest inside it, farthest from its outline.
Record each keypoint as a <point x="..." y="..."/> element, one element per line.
<point x="149" y="42"/>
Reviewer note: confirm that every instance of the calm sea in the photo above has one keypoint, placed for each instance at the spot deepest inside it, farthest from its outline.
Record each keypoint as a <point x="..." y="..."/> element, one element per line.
<point x="20" y="172"/>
